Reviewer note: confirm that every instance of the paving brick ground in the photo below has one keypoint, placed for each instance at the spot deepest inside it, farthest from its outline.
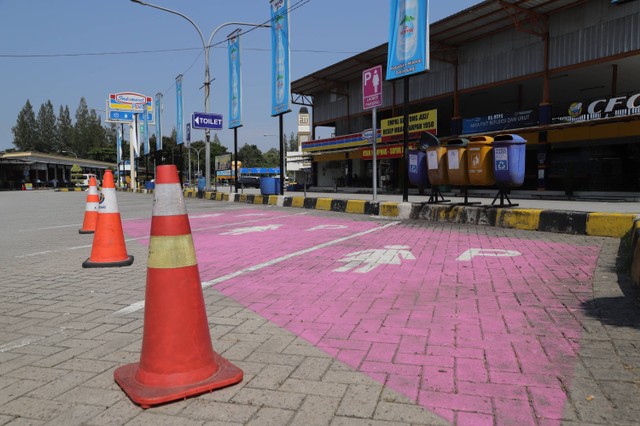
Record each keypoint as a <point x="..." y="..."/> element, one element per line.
<point x="324" y="333"/>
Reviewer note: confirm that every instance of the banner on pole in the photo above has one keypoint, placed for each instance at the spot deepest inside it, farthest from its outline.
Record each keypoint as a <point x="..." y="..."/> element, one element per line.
<point x="408" y="38"/>
<point x="145" y="130"/>
<point x="281" y="79"/>
<point x="119" y="145"/>
<point x="179" y="119"/>
<point x="235" y="82"/>
<point x="158" y="122"/>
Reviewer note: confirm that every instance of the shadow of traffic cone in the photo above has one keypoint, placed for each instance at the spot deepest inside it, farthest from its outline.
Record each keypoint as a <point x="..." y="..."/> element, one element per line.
<point x="91" y="209"/>
<point x="108" y="242"/>
<point x="177" y="358"/>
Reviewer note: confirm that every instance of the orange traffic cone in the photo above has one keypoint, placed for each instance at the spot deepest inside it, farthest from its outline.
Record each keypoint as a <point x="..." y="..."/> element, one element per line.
<point x="108" y="242"/>
<point x="91" y="209"/>
<point x="177" y="357"/>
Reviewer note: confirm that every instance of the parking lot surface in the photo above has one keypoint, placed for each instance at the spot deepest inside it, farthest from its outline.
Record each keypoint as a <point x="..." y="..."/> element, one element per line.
<point x="335" y="319"/>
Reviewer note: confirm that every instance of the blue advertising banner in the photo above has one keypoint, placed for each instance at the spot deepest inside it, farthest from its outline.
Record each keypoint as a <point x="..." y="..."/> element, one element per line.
<point x="281" y="80"/>
<point x="145" y="130"/>
<point x="499" y="122"/>
<point x="179" y="119"/>
<point x="235" y="83"/>
<point x="158" y="122"/>
<point x="408" y="38"/>
<point x="119" y="145"/>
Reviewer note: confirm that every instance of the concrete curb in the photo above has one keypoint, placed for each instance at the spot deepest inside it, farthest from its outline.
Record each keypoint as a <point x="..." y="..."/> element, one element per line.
<point x="615" y="225"/>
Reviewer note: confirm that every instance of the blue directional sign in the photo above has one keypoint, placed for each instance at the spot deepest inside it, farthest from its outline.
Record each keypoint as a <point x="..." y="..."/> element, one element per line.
<point x="126" y="116"/>
<point x="203" y="120"/>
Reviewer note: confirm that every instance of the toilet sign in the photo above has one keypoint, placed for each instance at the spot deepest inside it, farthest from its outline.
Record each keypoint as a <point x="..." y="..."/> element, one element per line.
<point x="372" y="87"/>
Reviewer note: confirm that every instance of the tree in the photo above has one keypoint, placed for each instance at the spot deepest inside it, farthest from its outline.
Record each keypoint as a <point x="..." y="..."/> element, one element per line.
<point x="24" y="135"/>
<point x="64" y="131"/>
<point x="89" y="133"/>
<point x="293" y="142"/>
<point x="250" y="155"/>
<point x="271" y="158"/>
<point x="45" y="128"/>
<point x="76" y="174"/>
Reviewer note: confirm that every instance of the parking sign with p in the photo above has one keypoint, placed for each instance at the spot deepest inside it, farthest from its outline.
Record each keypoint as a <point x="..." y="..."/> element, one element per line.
<point x="372" y="87"/>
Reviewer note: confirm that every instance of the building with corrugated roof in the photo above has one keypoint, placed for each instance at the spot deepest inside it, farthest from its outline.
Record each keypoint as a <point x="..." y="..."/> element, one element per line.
<point x="560" y="73"/>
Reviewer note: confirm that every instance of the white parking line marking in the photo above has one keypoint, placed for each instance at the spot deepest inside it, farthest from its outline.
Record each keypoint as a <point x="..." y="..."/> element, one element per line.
<point x="139" y="305"/>
<point x="222" y="225"/>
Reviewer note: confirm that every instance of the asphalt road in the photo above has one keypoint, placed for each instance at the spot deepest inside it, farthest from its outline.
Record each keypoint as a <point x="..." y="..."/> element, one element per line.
<point x="334" y="318"/>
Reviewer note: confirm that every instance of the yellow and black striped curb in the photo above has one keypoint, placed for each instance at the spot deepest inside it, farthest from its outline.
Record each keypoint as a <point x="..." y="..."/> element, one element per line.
<point x="616" y="225"/>
<point x="76" y="189"/>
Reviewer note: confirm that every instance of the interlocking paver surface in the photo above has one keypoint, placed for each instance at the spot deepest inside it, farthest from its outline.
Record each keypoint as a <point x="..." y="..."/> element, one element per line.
<point x="335" y="319"/>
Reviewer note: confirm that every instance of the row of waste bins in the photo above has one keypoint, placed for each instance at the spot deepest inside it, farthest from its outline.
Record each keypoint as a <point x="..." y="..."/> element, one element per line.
<point x="477" y="161"/>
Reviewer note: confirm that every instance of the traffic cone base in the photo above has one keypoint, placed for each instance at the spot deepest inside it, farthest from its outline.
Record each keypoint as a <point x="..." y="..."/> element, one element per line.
<point x="147" y="396"/>
<point x="89" y="264"/>
<point x="82" y="231"/>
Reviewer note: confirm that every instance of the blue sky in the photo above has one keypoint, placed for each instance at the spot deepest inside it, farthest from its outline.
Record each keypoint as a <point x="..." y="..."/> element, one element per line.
<point x="95" y="47"/>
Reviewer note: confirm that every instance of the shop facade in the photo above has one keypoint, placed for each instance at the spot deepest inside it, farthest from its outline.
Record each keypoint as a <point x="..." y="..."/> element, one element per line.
<point x="560" y="74"/>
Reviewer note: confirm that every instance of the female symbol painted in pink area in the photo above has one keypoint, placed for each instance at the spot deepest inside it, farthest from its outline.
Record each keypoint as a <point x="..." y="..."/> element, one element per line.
<point x="493" y="337"/>
<point x="364" y="261"/>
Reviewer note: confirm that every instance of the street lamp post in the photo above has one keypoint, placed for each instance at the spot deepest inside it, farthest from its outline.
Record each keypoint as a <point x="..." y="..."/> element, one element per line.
<point x="207" y="80"/>
<point x="198" y="151"/>
<point x="70" y="152"/>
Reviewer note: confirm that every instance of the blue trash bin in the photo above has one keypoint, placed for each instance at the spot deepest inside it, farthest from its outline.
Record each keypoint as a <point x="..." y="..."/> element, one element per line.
<point x="417" y="168"/>
<point x="269" y="186"/>
<point x="201" y="183"/>
<point x="508" y="159"/>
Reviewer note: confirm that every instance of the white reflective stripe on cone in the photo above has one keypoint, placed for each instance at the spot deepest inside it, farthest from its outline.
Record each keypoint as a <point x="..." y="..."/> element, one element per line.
<point x="92" y="207"/>
<point x="168" y="200"/>
<point x="108" y="204"/>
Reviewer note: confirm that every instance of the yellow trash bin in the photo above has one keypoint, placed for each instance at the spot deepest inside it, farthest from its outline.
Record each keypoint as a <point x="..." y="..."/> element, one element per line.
<point x="437" y="165"/>
<point x="457" y="162"/>
<point x="480" y="161"/>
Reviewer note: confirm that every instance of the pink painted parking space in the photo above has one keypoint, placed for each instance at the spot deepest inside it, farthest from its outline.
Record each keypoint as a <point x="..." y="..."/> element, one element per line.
<point x="474" y="328"/>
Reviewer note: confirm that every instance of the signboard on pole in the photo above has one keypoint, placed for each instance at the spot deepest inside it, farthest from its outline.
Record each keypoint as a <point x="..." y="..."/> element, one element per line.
<point x="203" y="120"/>
<point x="372" y="87"/>
<point x="122" y="106"/>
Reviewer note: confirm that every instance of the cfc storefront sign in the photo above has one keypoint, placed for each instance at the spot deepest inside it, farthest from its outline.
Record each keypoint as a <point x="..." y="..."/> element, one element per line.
<point x="616" y="106"/>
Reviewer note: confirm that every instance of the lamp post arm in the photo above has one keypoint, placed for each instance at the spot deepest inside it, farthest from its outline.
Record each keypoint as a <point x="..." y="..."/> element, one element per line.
<point x="175" y="13"/>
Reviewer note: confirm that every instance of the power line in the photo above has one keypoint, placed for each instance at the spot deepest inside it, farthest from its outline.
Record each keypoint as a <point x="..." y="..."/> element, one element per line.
<point x="137" y="52"/>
